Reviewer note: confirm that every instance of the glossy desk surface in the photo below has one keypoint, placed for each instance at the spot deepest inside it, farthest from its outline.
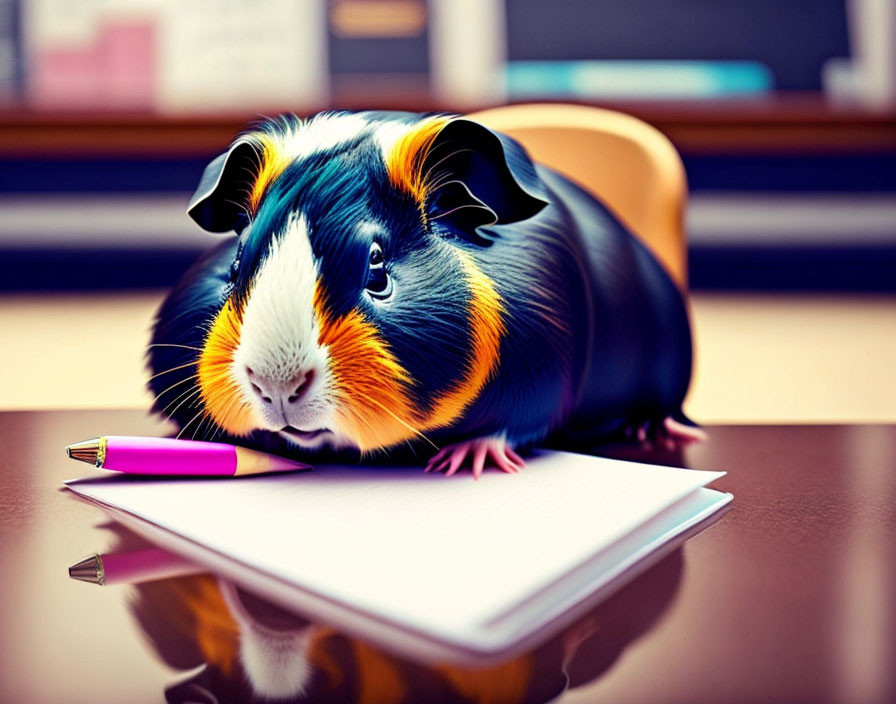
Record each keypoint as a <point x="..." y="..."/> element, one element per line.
<point x="790" y="597"/>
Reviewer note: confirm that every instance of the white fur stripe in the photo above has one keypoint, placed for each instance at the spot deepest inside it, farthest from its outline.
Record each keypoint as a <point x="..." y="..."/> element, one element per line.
<point x="279" y="336"/>
<point x="321" y="133"/>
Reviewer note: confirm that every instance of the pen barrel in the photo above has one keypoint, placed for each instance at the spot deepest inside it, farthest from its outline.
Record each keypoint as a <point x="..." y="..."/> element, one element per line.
<point x="145" y="566"/>
<point x="167" y="456"/>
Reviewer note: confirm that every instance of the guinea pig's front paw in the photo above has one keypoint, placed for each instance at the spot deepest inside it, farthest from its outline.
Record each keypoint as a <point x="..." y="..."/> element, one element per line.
<point x="668" y="433"/>
<point x="682" y="434"/>
<point x="492" y="449"/>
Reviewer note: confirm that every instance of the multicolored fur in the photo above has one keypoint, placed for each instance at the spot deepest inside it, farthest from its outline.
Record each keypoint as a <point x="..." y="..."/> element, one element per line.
<point x="400" y="279"/>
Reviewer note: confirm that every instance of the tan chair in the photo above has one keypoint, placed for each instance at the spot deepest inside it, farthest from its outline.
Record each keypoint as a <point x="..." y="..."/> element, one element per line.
<point x="632" y="167"/>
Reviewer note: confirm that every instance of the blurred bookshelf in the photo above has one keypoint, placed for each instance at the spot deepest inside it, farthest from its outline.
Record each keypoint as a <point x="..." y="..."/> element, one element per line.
<point x="784" y="116"/>
<point x="787" y="192"/>
<point x="132" y="77"/>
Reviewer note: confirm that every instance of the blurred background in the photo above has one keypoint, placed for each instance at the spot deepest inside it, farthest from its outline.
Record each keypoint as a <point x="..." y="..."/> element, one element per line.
<point x="784" y="114"/>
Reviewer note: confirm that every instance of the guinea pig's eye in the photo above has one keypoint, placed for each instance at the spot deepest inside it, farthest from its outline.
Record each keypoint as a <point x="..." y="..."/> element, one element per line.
<point x="379" y="284"/>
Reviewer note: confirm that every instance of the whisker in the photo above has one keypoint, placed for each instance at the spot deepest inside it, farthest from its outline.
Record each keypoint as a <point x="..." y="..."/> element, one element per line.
<point x="199" y="431"/>
<point x="192" y="394"/>
<point x="440" y="180"/>
<point x="461" y="207"/>
<point x="173" y="369"/>
<point x="192" y="389"/>
<point x="176" y="383"/>
<point x="444" y="158"/>
<point x="201" y="411"/>
<point x="219" y="431"/>
<point x="404" y="423"/>
<point x="212" y="428"/>
<point x="240" y="206"/>
<point x="198" y="426"/>
<point x="169" y="344"/>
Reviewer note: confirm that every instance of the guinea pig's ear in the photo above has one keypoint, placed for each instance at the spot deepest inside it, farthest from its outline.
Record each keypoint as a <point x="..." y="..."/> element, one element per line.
<point x="220" y="201"/>
<point x="480" y="178"/>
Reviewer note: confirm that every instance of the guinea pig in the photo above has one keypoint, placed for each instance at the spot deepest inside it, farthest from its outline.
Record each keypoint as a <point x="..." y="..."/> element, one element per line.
<point x="402" y="279"/>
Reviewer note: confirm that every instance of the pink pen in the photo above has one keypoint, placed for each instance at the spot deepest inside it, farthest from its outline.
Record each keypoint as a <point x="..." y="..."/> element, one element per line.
<point x="135" y="567"/>
<point x="167" y="456"/>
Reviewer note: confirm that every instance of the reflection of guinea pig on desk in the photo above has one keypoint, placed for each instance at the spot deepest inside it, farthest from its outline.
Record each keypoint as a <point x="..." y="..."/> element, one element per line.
<point x="405" y="279"/>
<point x="249" y="650"/>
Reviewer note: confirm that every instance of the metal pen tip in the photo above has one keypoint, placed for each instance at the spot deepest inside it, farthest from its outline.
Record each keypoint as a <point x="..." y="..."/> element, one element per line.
<point x="90" y="569"/>
<point x="88" y="451"/>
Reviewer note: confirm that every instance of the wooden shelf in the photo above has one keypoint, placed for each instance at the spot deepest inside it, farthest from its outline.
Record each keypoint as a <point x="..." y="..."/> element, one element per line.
<point x="777" y="125"/>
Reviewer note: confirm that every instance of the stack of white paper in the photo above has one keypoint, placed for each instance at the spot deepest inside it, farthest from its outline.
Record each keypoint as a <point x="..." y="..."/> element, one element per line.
<point x="447" y="568"/>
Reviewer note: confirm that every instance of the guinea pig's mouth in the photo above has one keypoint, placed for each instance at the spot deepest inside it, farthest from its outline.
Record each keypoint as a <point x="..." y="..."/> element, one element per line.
<point x="267" y="615"/>
<point x="304" y="436"/>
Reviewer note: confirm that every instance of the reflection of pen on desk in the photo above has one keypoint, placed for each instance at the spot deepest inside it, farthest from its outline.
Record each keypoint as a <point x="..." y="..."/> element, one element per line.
<point x="168" y="456"/>
<point x="132" y="567"/>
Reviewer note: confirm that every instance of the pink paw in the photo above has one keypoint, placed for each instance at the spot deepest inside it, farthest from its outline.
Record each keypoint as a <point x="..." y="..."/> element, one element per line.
<point x="683" y="434"/>
<point x="494" y="449"/>
<point x="670" y="433"/>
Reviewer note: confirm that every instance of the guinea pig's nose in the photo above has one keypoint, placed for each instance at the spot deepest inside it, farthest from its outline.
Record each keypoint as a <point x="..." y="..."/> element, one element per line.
<point x="285" y="393"/>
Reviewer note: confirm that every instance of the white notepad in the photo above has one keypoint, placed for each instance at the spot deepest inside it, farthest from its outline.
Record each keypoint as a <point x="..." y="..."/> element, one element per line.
<point x="444" y="568"/>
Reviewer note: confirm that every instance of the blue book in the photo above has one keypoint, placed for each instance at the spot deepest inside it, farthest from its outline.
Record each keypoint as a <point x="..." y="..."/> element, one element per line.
<point x="625" y="79"/>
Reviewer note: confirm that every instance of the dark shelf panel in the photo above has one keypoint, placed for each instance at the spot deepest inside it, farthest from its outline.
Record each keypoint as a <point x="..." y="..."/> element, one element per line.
<point x="792" y="124"/>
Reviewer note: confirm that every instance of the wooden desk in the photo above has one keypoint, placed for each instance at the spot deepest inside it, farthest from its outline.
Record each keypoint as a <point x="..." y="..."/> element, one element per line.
<point x="789" y="598"/>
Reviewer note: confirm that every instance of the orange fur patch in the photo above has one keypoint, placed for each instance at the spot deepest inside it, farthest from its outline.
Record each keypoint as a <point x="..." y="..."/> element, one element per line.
<point x="404" y="162"/>
<point x="379" y="675"/>
<point x="374" y="407"/>
<point x="381" y="678"/>
<point x="194" y="609"/>
<point x="274" y="159"/>
<point x="506" y="682"/>
<point x="224" y="400"/>
<point x="216" y="631"/>
<point x="485" y="312"/>
<point x="371" y="385"/>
